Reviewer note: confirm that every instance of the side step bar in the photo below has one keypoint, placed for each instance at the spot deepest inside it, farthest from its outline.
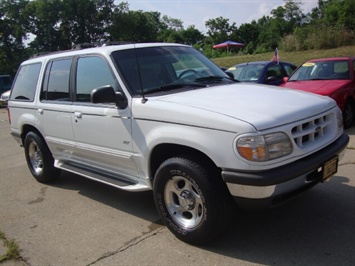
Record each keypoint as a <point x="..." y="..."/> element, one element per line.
<point x="104" y="177"/>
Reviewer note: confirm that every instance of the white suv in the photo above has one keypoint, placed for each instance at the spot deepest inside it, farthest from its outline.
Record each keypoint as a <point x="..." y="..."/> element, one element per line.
<point x="163" y="117"/>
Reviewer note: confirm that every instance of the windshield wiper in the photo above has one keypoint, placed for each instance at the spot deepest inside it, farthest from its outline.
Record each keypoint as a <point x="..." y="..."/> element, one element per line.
<point x="176" y="86"/>
<point x="214" y="78"/>
<point x="210" y="78"/>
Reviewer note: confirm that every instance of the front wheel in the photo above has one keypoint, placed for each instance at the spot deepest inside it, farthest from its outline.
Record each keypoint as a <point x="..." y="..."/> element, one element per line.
<point x="192" y="200"/>
<point x="39" y="159"/>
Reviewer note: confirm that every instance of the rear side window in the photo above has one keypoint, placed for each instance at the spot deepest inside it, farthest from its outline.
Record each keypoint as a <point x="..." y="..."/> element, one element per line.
<point x="26" y="82"/>
<point x="56" y="81"/>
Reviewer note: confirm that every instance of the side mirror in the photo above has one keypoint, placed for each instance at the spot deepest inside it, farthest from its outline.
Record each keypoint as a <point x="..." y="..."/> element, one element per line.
<point x="230" y="74"/>
<point x="285" y="79"/>
<point x="106" y="94"/>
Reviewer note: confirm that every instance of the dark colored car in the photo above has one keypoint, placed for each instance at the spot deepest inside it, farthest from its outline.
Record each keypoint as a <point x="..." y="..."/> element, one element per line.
<point x="265" y="72"/>
<point x="5" y="83"/>
<point x="333" y="77"/>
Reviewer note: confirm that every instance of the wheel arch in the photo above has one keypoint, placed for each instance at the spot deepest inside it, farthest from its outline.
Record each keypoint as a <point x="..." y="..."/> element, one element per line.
<point x="28" y="128"/>
<point x="164" y="151"/>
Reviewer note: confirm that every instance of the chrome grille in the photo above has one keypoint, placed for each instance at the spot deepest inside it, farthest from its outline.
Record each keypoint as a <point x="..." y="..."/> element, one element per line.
<point x="311" y="131"/>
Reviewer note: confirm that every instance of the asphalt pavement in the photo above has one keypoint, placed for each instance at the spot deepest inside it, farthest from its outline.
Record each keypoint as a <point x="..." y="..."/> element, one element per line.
<point x="76" y="221"/>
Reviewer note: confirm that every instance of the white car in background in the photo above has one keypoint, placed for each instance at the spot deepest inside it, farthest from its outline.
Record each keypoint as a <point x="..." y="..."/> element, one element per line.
<point x="4" y="98"/>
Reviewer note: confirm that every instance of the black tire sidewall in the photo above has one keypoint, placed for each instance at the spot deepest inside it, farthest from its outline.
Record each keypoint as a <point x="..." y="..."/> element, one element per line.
<point x="49" y="173"/>
<point x="213" y="198"/>
<point x="349" y="106"/>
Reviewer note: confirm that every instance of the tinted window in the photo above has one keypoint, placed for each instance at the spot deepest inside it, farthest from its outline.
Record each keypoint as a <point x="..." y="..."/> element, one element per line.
<point x="289" y="69"/>
<point x="56" y="85"/>
<point x="26" y="82"/>
<point x="274" y="71"/>
<point x="92" y="72"/>
<point x="148" y="69"/>
<point x="322" y="70"/>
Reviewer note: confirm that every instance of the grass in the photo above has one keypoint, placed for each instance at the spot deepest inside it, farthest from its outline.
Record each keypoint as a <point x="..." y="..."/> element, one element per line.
<point x="12" y="249"/>
<point x="294" y="57"/>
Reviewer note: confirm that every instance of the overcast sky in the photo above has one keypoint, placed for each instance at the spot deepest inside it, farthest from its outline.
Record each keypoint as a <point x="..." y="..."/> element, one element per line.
<point x="197" y="12"/>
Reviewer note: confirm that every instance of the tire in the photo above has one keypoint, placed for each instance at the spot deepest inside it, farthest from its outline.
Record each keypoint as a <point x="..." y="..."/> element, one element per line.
<point x="348" y="114"/>
<point x="192" y="200"/>
<point x="39" y="159"/>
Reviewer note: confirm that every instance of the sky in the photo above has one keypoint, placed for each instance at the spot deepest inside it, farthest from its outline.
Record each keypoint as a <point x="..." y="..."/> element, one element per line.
<point x="197" y="12"/>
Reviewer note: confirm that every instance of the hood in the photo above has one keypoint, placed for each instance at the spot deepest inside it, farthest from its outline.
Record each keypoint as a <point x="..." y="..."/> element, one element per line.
<point x="260" y="106"/>
<point x="322" y="87"/>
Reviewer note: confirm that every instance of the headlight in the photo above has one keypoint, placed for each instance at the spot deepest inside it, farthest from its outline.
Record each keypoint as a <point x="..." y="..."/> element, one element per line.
<point x="261" y="148"/>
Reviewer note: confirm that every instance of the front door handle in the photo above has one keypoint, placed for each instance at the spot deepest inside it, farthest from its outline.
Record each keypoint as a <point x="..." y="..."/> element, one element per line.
<point x="78" y="114"/>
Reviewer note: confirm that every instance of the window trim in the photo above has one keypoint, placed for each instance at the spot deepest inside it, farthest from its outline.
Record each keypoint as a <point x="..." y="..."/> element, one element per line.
<point x="73" y="78"/>
<point x="45" y="79"/>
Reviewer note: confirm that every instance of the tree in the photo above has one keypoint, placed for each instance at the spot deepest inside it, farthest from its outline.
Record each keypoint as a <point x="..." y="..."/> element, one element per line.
<point x="13" y="25"/>
<point x="43" y="19"/>
<point x="219" y="29"/>
<point x="86" y="21"/>
<point x="136" y="26"/>
<point x="192" y="36"/>
<point x="248" y="34"/>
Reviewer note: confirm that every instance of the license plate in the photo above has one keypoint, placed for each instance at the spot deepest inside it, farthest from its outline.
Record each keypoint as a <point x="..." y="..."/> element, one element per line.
<point x="329" y="168"/>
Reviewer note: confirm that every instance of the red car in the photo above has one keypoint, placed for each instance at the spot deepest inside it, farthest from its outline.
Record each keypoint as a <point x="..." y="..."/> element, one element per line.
<point x="333" y="77"/>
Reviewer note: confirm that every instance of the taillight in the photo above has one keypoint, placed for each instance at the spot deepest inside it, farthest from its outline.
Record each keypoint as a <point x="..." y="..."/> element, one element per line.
<point x="8" y="114"/>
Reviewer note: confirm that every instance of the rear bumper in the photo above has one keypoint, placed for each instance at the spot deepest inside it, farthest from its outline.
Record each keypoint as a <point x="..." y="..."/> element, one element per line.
<point x="274" y="186"/>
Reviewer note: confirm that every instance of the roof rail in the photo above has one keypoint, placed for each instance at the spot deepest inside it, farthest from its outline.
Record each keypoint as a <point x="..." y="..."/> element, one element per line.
<point x="81" y="46"/>
<point x="117" y="43"/>
<point x="45" y="53"/>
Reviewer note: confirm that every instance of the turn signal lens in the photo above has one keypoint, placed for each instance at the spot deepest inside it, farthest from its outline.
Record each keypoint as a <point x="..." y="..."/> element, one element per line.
<point x="264" y="147"/>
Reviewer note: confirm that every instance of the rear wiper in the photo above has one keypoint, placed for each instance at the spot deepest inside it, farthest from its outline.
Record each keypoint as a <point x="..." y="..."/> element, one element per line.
<point x="176" y="86"/>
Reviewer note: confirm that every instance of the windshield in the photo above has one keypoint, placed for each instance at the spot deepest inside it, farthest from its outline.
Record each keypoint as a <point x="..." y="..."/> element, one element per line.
<point x="247" y="73"/>
<point x="156" y="69"/>
<point x="322" y="70"/>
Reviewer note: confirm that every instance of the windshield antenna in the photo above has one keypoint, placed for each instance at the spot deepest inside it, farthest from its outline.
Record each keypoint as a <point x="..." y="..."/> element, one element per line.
<point x="144" y="100"/>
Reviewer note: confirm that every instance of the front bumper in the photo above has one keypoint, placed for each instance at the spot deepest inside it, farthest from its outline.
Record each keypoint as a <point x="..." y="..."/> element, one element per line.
<point x="274" y="186"/>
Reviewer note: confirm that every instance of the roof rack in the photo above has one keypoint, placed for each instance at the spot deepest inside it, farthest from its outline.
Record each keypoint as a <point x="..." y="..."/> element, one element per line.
<point x="45" y="53"/>
<point x="81" y="46"/>
<point x="99" y="44"/>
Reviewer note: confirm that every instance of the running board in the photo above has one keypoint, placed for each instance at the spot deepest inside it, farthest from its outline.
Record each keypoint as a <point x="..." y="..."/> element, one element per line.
<point x="103" y="177"/>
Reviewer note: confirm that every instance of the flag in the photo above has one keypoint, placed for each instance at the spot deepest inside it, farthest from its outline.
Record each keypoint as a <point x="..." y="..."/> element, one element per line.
<point x="276" y="55"/>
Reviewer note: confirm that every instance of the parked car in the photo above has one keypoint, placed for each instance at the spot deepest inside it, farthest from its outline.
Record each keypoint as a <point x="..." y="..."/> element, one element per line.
<point x="333" y="77"/>
<point x="4" y="98"/>
<point x="5" y="83"/>
<point x="264" y="72"/>
<point x="163" y="117"/>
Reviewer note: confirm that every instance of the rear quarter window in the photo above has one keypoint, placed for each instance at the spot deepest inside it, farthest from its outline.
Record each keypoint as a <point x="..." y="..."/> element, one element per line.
<point x="26" y="82"/>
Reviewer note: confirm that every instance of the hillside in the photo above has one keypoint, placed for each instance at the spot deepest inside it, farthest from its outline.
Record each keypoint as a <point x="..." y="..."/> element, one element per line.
<point x="294" y="57"/>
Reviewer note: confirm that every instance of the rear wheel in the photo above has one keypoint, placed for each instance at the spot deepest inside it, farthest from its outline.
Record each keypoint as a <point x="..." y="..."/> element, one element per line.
<point x="192" y="200"/>
<point x="348" y="114"/>
<point x="39" y="159"/>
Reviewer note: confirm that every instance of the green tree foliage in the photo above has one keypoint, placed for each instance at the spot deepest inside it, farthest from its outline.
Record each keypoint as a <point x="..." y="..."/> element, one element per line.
<point x="330" y="25"/>
<point x="219" y="29"/>
<point x="43" y="17"/>
<point x="13" y="30"/>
